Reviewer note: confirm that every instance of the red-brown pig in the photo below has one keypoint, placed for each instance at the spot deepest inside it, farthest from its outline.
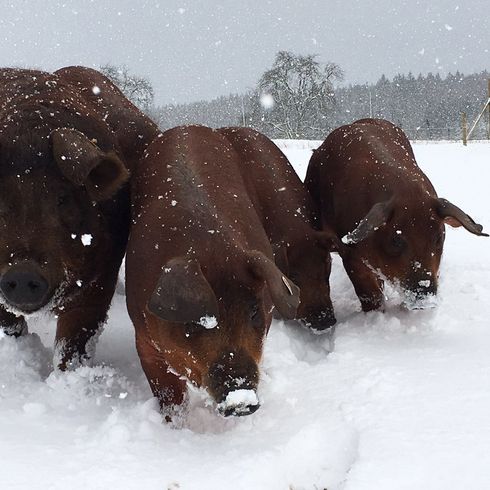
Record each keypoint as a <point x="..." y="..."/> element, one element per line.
<point x="201" y="283"/>
<point x="67" y="143"/>
<point x="289" y="218"/>
<point x="385" y="212"/>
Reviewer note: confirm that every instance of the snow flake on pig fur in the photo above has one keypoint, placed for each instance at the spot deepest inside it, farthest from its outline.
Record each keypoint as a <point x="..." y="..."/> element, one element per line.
<point x="348" y="240"/>
<point x="86" y="239"/>
<point x="208" y="322"/>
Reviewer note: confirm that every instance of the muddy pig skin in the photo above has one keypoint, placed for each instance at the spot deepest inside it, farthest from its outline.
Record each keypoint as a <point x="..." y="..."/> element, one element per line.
<point x="201" y="282"/>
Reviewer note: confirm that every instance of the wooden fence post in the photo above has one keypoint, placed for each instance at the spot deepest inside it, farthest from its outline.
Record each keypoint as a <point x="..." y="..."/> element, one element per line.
<point x="488" y="110"/>
<point x="464" y="128"/>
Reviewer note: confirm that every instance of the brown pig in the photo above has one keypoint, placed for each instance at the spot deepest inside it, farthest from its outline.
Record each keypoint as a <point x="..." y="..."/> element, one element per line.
<point x="64" y="209"/>
<point x="385" y="212"/>
<point x="201" y="283"/>
<point x="289" y="218"/>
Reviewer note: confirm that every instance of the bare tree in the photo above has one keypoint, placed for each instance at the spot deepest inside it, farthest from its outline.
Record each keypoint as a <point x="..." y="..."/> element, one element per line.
<point x="137" y="89"/>
<point x="296" y="95"/>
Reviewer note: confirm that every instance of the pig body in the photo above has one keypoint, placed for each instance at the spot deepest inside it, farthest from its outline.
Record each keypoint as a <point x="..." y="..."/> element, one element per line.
<point x="64" y="208"/>
<point x="385" y="212"/>
<point x="200" y="278"/>
<point x="290" y="220"/>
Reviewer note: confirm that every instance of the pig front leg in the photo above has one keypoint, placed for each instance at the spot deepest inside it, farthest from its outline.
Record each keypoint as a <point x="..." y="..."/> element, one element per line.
<point x="368" y="287"/>
<point x="81" y="319"/>
<point x="167" y="387"/>
<point x="11" y="324"/>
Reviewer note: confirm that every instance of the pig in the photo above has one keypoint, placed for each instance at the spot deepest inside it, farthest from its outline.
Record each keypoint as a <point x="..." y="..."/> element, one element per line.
<point x="386" y="215"/>
<point x="290" y="219"/>
<point x="201" y="282"/>
<point x="65" y="158"/>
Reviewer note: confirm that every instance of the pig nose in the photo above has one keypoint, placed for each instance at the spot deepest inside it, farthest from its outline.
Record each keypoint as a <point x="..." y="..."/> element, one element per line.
<point x="319" y="322"/>
<point x="24" y="288"/>
<point x="238" y="403"/>
<point x="421" y="297"/>
<point x="232" y="382"/>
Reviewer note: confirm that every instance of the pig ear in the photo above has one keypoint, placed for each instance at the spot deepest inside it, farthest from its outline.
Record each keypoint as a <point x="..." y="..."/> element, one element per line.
<point x="455" y="217"/>
<point x="82" y="162"/>
<point x="284" y="293"/>
<point x="183" y="294"/>
<point x="377" y="217"/>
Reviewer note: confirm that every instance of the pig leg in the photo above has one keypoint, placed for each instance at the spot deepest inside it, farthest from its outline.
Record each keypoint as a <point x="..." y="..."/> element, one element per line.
<point x="368" y="287"/>
<point x="11" y="324"/>
<point x="167" y="387"/>
<point x="81" y="320"/>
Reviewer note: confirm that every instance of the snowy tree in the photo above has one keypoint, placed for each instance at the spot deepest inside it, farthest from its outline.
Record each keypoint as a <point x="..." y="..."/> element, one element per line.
<point x="296" y="95"/>
<point x="137" y="89"/>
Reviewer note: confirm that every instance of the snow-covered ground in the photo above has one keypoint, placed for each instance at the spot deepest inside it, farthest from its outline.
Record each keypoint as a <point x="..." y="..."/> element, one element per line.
<point x="402" y="402"/>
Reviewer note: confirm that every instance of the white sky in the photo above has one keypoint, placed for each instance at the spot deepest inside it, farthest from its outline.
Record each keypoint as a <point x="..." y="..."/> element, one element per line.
<point x="199" y="49"/>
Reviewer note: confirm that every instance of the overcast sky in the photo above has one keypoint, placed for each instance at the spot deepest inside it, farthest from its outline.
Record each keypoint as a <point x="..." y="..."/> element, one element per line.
<point x="200" y="49"/>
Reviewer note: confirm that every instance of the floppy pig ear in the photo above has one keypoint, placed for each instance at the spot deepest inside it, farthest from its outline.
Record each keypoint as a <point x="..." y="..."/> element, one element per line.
<point x="82" y="162"/>
<point x="284" y="293"/>
<point x="378" y="216"/>
<point x="455" y="217"/>
<point x="183" y="294"/>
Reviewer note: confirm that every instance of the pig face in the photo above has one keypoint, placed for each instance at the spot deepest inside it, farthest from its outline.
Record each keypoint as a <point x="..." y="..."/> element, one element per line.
<point x="50" y="224"/>
<point x="211" y="324"/>
<point x="309" y="268"/>
<point x="404" y="243"/>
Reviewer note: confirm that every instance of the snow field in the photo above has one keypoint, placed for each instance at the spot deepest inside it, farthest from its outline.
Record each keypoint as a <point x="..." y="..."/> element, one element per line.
<point x="401" y="402"/>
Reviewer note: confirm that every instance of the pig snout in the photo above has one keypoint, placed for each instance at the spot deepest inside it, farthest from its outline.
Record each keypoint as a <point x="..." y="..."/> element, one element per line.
<point x="232" y="382"/>
<point x="24" y="287"/>
<point x="420" y="293"/>
<point x="320" y="321"/>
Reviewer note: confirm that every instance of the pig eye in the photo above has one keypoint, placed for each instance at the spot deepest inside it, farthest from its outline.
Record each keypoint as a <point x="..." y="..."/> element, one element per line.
<point x="191" y="328"/>
<point x="255" y="311"/>
<point x="62" y="200"/>
<point x="397" y="246"/>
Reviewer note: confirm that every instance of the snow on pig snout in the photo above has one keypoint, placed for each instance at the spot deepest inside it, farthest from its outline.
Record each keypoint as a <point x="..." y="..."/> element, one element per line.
<point x="232" y="381"/>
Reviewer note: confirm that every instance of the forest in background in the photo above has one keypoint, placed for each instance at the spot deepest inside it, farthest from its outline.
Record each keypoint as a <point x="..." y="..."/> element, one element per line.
<point x="301" y="98"/>
<point x="425" y="107"/>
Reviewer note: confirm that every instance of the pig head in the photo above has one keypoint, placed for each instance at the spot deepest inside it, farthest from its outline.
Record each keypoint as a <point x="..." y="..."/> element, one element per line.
<point x="402" y="241"/>
<point x="385" y="213"/>
<point x="214" y="335"/>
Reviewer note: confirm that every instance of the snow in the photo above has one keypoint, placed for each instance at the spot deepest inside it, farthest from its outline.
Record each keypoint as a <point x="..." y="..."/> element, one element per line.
<point x="402" y="402"/>
<point x="267" y="101"/>
<point x="347" y="239"/>
<point x="239" y="401"/>
<point x="208" y="322"/>
<point x="86" y="239"/>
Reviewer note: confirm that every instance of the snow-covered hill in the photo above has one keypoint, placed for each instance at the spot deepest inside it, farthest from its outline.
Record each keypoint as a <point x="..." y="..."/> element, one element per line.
<point x="402" y="402"/>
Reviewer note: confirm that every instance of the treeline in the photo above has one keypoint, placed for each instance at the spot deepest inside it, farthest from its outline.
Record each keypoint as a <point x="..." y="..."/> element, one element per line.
<point x="426" y="107"/>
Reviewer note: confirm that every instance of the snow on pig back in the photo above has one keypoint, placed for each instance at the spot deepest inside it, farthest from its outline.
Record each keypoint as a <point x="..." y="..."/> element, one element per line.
<point x="201" y="284"/>
<point x="387" y="216"/>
